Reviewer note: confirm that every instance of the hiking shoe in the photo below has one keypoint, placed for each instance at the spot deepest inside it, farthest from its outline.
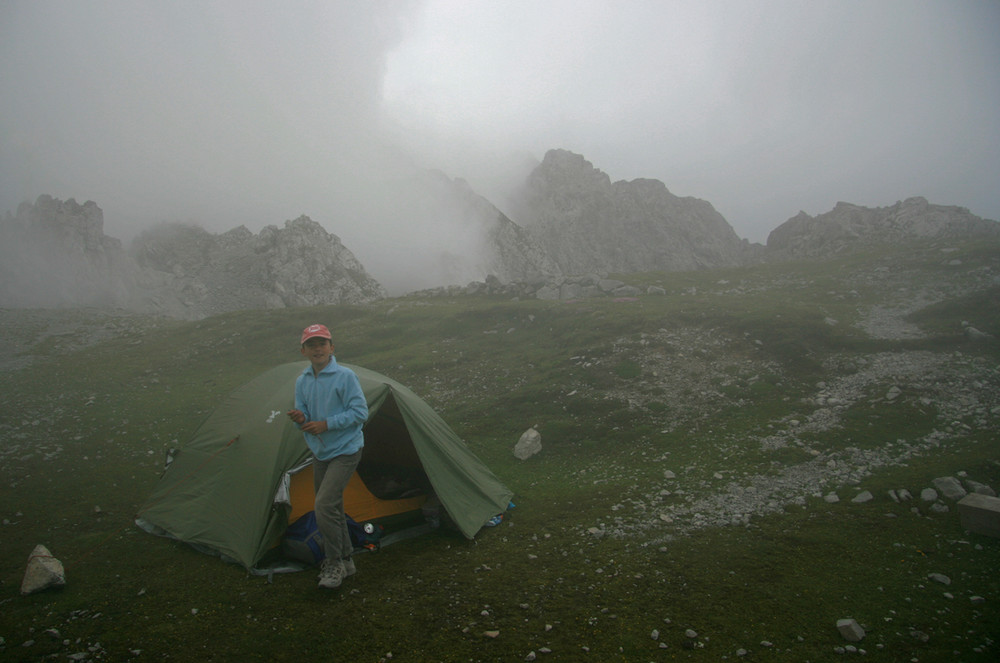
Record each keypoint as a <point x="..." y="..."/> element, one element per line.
<point x="349" y="568"/>
<point x="332" y="574"/>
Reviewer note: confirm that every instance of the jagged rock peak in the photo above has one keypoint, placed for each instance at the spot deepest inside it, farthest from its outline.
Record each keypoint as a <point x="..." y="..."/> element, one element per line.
<point x="848" y="227"/>
<point x="79" y="225"/>
<point x="589" y="224"/>
<point x="569" y="171"/>
<point x="304" y="259"/>
<point x="55" y="254"/>
<point x="300" y="264"/>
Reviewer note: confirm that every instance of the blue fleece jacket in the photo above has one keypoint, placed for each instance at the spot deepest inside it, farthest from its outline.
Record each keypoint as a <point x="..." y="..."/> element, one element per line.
<point x="335" y="396"/>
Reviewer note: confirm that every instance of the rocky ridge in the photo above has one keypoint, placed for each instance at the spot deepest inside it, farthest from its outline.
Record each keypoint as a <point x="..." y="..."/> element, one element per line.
<point x="573" y="228"/>
<point x="850" y="227"/>
<point x="589" y="224"/>
<point x="194" y="273"/>
<point x="55" y="254"/>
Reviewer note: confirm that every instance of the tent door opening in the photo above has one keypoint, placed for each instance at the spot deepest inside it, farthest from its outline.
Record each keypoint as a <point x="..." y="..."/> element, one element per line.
<point x="389" y="481"/>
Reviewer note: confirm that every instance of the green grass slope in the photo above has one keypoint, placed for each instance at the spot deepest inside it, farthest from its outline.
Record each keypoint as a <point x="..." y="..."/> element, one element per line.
<point x="682" y="507"/>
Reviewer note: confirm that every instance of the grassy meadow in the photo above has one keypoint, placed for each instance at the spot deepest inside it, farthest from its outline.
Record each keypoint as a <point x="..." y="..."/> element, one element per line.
<point x="603" y="558"/>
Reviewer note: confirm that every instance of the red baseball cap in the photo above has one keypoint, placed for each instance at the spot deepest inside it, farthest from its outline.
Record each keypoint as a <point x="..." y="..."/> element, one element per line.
<point x="315" y="331"/>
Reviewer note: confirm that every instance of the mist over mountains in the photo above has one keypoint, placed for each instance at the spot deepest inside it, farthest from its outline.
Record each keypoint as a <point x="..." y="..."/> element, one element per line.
<point x="568" y="220"/>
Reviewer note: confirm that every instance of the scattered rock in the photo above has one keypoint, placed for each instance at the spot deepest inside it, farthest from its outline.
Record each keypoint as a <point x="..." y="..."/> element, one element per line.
<point x="938" y="577"/>
<point x="863" y="497"/>
<point x="850" y="630"/>
<point x="974" y="334"/>
<point x="980" y="488"/>
<point x="43" y="571"/>
<point x="950" y="487"/>
<point x="528" y="445"/>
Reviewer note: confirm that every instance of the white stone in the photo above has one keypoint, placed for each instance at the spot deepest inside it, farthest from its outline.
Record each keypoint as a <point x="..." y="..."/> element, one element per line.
<point x="850" y="630"/>
<point x="950" y="488"/>
<point x="528" y="445"/>
<point x="863" y="497"/>
<point x="43" y="571"/>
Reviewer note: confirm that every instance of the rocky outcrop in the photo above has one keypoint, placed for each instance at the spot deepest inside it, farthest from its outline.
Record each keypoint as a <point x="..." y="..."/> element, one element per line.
<point x="573" y="228"/>
<point x="192" y="273"/>
<point x="589" y="224"/>
<point x="850" y="227"/>
<point x="55" y="254"/>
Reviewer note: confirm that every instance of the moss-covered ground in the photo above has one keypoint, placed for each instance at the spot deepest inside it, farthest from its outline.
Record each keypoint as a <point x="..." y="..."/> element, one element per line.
<point x="85" y="426"/>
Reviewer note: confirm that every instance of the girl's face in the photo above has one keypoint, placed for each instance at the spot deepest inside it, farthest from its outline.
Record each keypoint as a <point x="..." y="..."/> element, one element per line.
<point x="318" y="351"/>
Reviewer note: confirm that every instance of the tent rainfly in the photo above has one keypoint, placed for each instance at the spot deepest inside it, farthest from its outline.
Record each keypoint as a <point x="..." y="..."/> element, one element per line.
<point x="246" y="473"/>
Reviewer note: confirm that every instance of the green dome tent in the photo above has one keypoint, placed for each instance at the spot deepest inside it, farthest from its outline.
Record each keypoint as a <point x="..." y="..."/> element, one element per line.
<point x="246" y="473"/>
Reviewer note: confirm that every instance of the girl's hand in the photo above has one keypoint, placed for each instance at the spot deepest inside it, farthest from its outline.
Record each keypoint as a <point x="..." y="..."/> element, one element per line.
<point x="315" y="427"/>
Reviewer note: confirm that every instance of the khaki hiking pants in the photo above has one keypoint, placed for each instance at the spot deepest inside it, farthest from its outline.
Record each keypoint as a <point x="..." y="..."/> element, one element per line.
<point x="330" y="478"/>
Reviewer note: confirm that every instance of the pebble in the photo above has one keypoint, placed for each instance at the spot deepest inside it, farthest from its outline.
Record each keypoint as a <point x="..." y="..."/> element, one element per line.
<point x="862" y="497"/>
<point x="939" y="577"/>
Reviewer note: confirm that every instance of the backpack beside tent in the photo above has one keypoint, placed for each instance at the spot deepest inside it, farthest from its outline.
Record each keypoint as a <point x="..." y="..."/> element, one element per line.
<point x="246" y="473"/>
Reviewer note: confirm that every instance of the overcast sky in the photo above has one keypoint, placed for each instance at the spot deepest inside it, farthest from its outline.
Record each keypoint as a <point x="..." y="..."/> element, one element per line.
<point x="223" y="113"/>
